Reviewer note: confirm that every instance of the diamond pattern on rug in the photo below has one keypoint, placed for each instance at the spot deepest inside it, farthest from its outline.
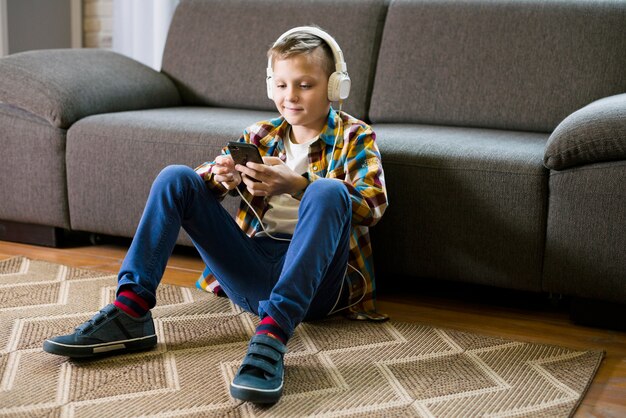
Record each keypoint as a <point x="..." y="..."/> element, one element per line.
<point x="571" y="370"/>
<point x="73" y="273"/>
<point x="337" y="335"/>
<point x="106" y="379"/>
<point x="200" y="331"/>
<point x="29" y="333"/>
<point x="12" y="265"/>
<point x="440" y="376"/>
<point x="26" y="295"/>
<point x="4" y="359"/>
<point x="473" y="341"/>
<point x="311" y="373"/>
<point x="333" y="367"/>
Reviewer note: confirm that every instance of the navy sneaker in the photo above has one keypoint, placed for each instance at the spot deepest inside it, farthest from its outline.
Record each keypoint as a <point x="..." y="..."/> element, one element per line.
<point x="261" y="375"/>
<point x="110" y="331"/>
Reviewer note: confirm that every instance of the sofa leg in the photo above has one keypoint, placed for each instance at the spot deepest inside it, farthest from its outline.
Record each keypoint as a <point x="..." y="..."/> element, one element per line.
<point x="47" y="236"/>
<point x="598" y="314"/>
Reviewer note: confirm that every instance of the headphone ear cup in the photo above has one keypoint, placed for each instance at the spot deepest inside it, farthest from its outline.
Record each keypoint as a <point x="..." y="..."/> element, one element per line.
<point x="268" y="83"/>
<point x="338" y="86"/>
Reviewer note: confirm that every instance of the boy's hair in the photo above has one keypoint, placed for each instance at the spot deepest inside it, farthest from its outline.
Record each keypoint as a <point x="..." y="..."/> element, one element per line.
<point x="302" y="43"/>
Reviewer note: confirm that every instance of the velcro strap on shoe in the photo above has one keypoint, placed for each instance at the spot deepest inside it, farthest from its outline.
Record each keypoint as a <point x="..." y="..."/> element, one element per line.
<point x="271" y="342"/>
<point x="264" y="351"/>
<point x="259" y="363"/>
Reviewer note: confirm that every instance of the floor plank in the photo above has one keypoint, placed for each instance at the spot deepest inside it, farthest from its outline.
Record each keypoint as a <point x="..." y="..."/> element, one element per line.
<point x="534" y="322"/>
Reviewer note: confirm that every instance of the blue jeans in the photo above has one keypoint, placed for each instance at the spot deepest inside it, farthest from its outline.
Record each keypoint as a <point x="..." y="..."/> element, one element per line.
<point x="289" y="281"/>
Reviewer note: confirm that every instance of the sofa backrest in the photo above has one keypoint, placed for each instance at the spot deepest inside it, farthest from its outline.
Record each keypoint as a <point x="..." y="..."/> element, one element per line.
<point x="216" y="50"/>
<point x="509" y="64"/>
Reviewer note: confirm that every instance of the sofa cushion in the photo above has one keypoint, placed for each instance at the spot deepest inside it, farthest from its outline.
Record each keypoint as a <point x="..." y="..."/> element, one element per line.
<point x="595" y="133"/>
<point x="112" y="159"/>
<point x="518" y="64"/>
<point x="216" y="50"/>
<point x="472" y="203"/>
<point x="65" y="85"/>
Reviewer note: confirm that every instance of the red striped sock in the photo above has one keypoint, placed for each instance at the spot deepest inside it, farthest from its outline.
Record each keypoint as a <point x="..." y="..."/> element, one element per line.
<point x="131" y="303"/>
<point x="270" y="327"/>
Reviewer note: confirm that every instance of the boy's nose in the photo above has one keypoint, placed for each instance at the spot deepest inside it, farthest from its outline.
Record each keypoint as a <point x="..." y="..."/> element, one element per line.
<point x="292" y="96"/>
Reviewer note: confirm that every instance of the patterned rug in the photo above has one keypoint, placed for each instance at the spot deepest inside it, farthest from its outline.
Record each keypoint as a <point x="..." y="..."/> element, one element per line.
<point x="334" y="368"/>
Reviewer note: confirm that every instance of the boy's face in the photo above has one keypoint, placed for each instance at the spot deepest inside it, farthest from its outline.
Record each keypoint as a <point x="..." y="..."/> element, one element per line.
<point x="301" y="94"/>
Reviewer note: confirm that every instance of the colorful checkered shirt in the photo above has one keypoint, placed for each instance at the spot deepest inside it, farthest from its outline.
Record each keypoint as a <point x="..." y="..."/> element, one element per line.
<point x="355" y="161"/>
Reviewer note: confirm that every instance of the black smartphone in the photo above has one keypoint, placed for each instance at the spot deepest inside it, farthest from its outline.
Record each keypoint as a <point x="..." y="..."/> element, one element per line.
<point x="242" y="152"/>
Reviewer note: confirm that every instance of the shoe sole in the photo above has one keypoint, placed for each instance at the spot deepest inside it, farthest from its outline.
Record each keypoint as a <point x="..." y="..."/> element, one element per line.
<point x="255" y="395"/>
<point x="95" y="350"/>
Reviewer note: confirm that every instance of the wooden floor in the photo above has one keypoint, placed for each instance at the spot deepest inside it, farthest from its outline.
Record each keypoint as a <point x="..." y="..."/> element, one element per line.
<point x="506" y="314"/>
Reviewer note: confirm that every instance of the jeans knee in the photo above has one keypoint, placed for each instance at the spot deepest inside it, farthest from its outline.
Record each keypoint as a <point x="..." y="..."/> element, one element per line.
<point x="176" y="172"/>
<point x="328" y="192"/>
<point x="175" y="176"/>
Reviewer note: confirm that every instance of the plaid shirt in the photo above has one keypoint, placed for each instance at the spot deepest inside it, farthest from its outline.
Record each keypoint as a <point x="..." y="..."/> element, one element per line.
<point x="355" y="161"/>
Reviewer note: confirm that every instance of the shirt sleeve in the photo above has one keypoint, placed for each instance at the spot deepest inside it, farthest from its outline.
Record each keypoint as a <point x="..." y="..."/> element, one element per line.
<point x="365" y="179"/>
<point x="204" y="170"/>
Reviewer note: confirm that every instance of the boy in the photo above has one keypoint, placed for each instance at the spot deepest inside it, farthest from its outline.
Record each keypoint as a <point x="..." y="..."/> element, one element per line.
<point x="305" y="253"/>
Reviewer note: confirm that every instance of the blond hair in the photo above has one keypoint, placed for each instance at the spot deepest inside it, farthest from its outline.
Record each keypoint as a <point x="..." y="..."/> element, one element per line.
<point x="303" y="43"/>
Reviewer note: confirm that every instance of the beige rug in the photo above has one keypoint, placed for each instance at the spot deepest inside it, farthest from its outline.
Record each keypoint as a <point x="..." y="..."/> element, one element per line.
<point x="334" y="368"/>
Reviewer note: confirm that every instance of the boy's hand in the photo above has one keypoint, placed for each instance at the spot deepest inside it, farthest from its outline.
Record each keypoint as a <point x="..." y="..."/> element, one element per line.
<point x="225" y="173"/>
<point x="274" y="178"/>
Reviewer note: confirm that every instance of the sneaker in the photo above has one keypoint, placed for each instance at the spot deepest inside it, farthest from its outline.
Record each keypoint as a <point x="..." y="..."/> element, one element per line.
<point x="110" y="331"/>
<point x="260" y="377"/>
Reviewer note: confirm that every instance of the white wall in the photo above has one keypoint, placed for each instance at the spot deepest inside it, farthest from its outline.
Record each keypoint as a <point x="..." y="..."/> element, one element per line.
<point x="140" y="29"/>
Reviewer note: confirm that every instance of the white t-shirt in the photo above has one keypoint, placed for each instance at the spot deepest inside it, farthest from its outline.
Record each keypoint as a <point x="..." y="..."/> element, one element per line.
<point x="282" y="214"/>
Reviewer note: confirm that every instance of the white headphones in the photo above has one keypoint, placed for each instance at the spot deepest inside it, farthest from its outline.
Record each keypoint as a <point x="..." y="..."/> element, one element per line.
<point x="339" y="81"/>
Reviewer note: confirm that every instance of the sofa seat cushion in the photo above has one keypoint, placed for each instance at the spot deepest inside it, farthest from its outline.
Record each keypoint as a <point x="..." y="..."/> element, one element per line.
<point x="473" y="199"/>
<point x="113" y="158"/>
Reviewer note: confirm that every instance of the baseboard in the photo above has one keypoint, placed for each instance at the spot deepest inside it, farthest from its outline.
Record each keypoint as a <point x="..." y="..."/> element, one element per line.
<point x="598" y="313"/>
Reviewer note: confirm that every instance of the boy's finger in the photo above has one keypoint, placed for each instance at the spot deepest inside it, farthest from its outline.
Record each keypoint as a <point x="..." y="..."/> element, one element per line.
<point x="248" y="172"/>
<point x="247" y="169"/>
<point x="253" y="186"/>
<point x="242" y="169"/>
<point x="224" y="159"/>
<point x="256" y="166"/>
<point x="221" y="170"/>
<point x="272" y="160"/>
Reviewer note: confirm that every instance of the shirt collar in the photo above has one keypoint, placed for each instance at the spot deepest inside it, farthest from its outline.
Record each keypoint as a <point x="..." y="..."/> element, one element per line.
<point x="328" y="133"/>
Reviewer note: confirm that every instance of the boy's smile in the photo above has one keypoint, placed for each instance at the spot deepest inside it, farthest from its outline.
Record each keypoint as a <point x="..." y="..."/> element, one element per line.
<point x="301" y="94"/>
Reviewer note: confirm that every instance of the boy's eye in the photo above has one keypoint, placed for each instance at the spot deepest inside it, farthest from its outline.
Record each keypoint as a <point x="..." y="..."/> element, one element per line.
<point x="305" y="86"/>
<point x="280" y="86"/>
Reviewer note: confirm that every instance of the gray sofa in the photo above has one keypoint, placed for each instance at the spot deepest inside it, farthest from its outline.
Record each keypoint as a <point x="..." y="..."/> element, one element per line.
<point x="502" y="127"/>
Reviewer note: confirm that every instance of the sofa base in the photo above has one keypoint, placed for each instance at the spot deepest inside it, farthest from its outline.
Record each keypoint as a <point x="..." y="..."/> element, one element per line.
<point x="598" y="313"/>
<point x="44" y="235"/>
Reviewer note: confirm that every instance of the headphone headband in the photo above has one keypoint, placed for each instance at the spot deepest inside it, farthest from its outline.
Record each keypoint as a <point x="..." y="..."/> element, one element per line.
<point x="339" y="81"/>
<point x="340" y="64"/>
